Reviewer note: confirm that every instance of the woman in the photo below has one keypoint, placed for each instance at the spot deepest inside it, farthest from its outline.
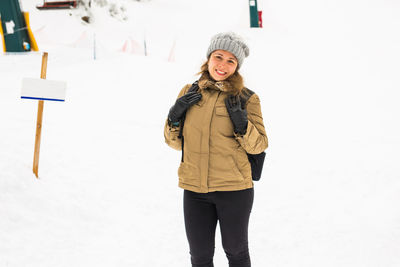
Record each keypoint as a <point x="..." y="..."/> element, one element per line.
<point x="215" y="125"/>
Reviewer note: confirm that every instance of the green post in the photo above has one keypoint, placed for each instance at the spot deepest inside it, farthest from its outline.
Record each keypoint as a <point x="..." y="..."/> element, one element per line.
<point x="253" y="14"/>
<point x="14" y="27"/>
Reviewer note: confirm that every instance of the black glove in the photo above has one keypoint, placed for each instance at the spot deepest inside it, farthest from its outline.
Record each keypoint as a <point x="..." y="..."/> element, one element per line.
<point x="237" y="114"/>
<point x="177" y="111"/>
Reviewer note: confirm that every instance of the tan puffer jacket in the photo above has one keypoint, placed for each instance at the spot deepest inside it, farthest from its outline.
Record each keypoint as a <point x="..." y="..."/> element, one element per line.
<point x="214" y="158"/>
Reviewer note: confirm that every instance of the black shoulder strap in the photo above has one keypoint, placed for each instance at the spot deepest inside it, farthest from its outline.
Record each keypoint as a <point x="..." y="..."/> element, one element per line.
<point x="193" y="88"/>
<point x="244" y="96"/>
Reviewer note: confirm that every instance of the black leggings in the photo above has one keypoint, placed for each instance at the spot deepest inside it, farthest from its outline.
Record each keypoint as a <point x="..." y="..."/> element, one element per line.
<point x="232" y="210"/>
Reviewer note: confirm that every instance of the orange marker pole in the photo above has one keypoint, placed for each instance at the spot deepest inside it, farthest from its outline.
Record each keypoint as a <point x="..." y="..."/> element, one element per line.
<point x="39" y="120"/>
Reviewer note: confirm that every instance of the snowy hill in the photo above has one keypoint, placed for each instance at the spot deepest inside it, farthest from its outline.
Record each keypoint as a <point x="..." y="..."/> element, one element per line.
<point x="327" y="76"/>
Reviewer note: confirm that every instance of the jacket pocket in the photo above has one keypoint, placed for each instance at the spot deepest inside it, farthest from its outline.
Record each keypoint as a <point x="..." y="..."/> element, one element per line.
<point x="242" y="162"/>
<point x="224" y="171"/>
<point x="221" y="111"/>
<point x="189" y="174"/>
<point x="236" y="169"/>
<point x="222" y="123"/>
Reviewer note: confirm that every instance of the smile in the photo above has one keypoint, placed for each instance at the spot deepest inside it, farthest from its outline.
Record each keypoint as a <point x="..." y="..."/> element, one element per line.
<point x="220" y="72"/>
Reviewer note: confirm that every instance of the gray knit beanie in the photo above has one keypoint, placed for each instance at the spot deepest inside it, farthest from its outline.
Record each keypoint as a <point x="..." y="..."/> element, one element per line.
<point x="231" y="42"/>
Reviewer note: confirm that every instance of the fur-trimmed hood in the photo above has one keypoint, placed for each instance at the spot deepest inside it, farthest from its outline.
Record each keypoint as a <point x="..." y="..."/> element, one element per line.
<point x="234" y="84"/>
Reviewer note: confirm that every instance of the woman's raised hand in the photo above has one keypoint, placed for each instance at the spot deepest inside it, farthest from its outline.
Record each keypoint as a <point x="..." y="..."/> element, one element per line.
<point x="237" y="114"/>
<point x="183" y="103"/>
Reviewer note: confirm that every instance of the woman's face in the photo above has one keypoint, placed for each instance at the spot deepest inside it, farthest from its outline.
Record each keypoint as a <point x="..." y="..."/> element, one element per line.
<point x="221" y="64"/>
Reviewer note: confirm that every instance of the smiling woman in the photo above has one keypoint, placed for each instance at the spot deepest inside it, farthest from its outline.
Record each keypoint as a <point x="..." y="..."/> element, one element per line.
<point x="219" y="132"/>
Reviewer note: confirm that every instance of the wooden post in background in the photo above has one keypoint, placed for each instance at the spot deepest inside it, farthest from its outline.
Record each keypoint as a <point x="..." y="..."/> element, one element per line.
<point x="39" y="120"/>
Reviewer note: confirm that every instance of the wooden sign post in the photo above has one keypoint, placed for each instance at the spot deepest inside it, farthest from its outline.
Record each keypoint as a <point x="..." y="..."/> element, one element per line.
<point x="39" y="120"/>
<point x="41" y="89"/>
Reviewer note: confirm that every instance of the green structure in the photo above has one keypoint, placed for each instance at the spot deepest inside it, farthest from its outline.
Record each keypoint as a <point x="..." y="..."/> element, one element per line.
<point x="14" y="28"/>
<point x="254" y="22"/>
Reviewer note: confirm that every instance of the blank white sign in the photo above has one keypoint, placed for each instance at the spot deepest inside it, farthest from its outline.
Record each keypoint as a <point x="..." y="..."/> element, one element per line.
<point x="42" y="89"/>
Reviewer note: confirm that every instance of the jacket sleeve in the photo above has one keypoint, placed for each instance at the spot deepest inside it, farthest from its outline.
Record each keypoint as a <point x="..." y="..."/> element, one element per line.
<point x="171" y="132"/>
<point x="255" y="140"/>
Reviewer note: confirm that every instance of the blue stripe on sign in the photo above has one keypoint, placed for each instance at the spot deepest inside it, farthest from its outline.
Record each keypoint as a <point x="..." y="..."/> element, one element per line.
<point x="38" y="98"/>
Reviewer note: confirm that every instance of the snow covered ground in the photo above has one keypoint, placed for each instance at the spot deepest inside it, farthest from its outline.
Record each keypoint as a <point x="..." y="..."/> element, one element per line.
<point x="327" y="73"/>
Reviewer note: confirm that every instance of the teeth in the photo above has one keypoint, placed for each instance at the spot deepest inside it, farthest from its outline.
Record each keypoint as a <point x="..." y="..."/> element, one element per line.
<point x="221" y="72"/>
